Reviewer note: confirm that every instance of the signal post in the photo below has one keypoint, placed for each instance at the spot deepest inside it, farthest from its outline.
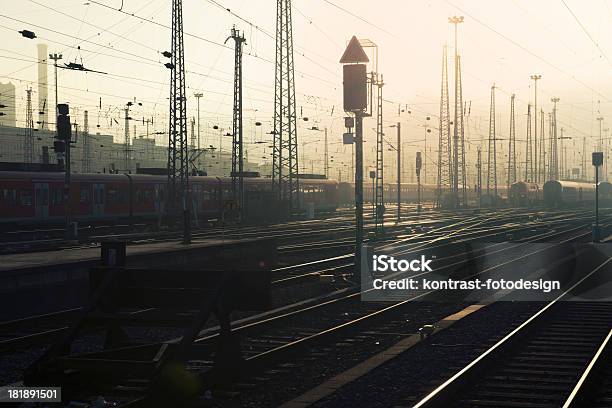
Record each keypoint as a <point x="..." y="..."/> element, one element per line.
<point x="354" y="62"/>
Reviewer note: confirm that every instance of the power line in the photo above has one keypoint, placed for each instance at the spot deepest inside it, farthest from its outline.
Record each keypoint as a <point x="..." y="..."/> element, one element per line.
<point x="586" y="32"/>
<point x="361" y="19"/>
<point x="525" y="49"/>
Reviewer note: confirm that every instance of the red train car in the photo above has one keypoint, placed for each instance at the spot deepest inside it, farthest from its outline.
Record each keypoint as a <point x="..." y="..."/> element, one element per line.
<point x="38" y="198"/>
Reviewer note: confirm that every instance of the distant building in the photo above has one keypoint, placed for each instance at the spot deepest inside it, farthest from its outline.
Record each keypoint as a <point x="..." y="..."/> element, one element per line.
<point x="106" y="156"/>
<point x="7" y="98"/>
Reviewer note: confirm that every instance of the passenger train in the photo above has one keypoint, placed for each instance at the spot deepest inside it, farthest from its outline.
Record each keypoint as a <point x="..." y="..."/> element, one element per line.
<point x="38" y="198"/>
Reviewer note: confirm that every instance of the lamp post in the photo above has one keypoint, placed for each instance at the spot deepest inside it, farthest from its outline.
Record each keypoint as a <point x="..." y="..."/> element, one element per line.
<point x="55" y="58"/>
<point x="538" y="161"/>
<point x="598" y="158"/>
<point x="398" y="149"/>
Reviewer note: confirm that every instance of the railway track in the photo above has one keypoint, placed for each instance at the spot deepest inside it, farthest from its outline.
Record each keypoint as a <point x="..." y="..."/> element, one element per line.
<point x="542" y="363"/>
<point x="38" y="240"/>
<point x="272" y="338"/>
<point x="282" y="337"/>
<point x="42" y="329"/>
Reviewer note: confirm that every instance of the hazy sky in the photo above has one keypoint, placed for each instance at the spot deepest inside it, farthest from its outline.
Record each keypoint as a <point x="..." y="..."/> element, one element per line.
<point x="503" y="42"/>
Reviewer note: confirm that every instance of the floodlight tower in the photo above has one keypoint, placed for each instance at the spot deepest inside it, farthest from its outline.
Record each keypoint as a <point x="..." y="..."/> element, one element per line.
<point x="537" y="162"/>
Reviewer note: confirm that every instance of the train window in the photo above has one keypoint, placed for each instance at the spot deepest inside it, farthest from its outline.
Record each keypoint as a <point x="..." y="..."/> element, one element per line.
<point x="26" y="198"/>
<point x="57" y="197"/>
<point x="84" y="196"/>
<point x="9" y="197"/>
<point x="116" y="196"/>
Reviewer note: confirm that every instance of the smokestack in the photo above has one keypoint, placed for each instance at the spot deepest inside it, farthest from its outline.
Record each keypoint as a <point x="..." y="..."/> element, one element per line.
<point x="43" y="101"/>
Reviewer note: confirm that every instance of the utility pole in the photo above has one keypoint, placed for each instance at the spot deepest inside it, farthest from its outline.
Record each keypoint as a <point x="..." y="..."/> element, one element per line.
<point x="399" y="172"/>
<point x="492" y="150"/>
<point x="198" y="95"/>
<point x="237" y="138"/>
<point x="445" y="168"/>
<point x="479" y="180"/>
<point x="193" y="134"/>
<point x="529" y="176"/>
<point x="418" y="165"/>
<point x="606" y="151"/>
<point x="600" y="141"/>
<point x="512" y="146"/>
<point x="326" y="165"/>
<point x="542" y="150"/>
<point x="584" y="156"/>
<point x="28" y="145"/>
<point x="285" y="171"/>
<point x="562" y="170"/>
<point x="538" y="163"/>
<point x="455" y="194"/>
<point x="178" y="147"/>
<point x="55" y="58"/>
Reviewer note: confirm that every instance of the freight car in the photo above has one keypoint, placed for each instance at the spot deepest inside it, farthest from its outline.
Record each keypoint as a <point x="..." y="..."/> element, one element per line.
<point x="38" y="198"/>
<point x="524" y="194"/>
<point x="572" y="193"/>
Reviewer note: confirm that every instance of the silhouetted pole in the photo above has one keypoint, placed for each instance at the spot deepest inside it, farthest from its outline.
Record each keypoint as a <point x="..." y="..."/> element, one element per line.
<point x="537" y="163"/>
<point x="399" y="172"/>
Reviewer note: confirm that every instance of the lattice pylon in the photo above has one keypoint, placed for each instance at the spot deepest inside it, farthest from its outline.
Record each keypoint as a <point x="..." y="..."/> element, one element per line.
<point x="529" y="174"/>
<point x="28" y="146"/>
<point x="379" y="200"/>
<point x="237" y="140"/>
<point x="285" y="180"/>
<point x="178" y="145"/>
<point x="542" y="151"/>
<point x="86" y="144"/>
<point x="461" y="179"/>
<point x="445" y="173"/>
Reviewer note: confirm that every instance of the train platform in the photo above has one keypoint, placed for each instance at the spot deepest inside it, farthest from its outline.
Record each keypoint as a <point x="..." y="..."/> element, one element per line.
<point x="31" y="260"/>
<point x="40" y="282"/>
